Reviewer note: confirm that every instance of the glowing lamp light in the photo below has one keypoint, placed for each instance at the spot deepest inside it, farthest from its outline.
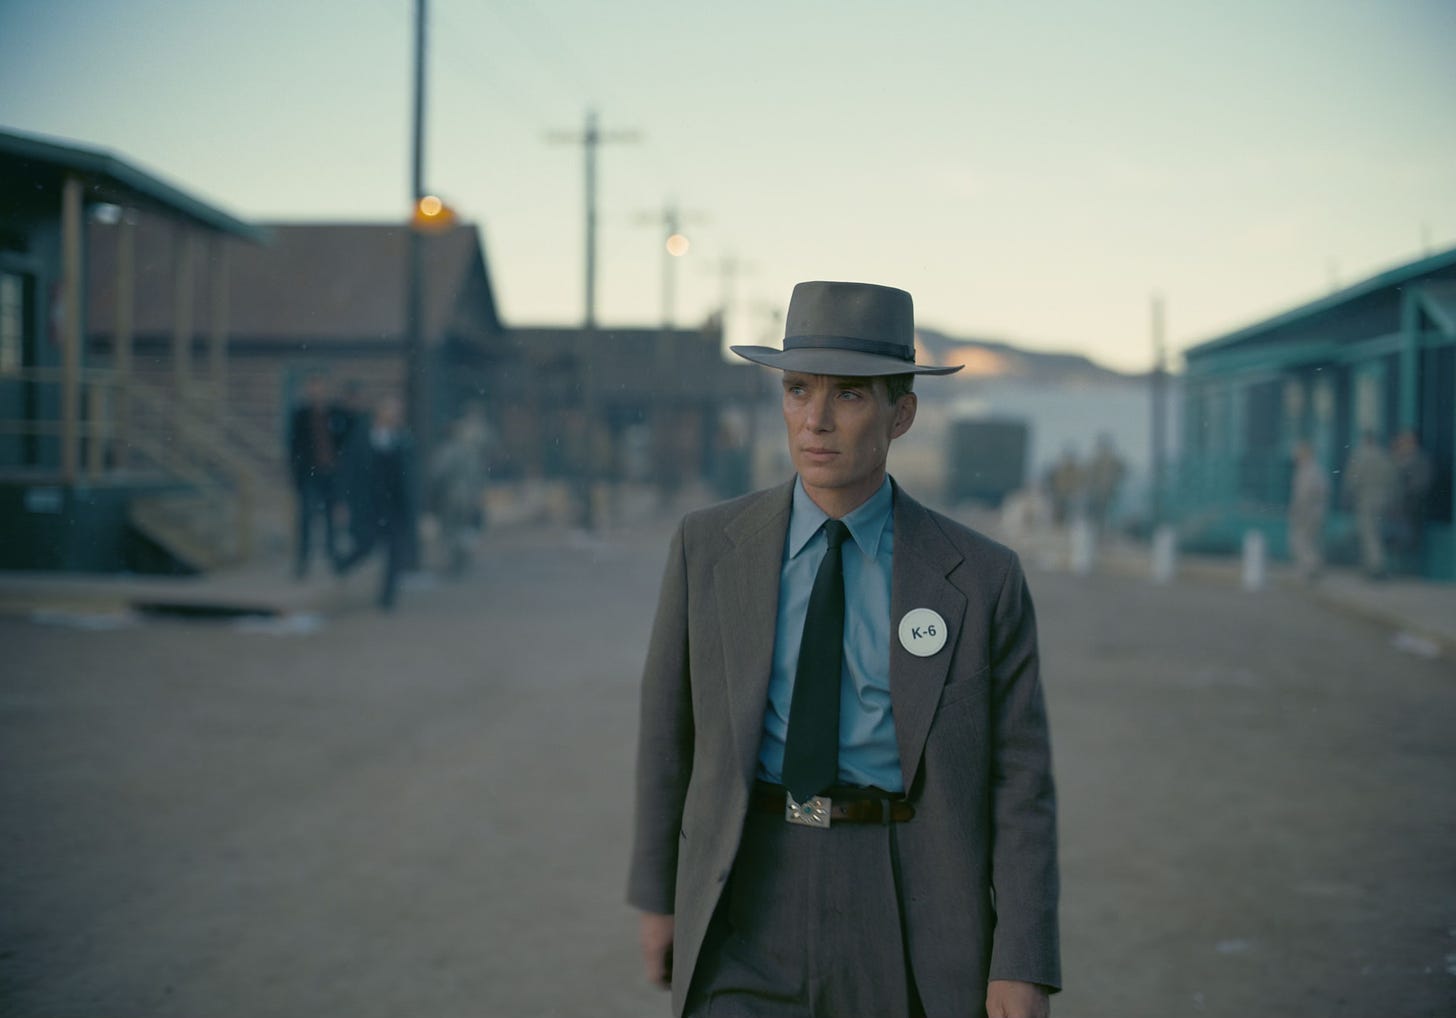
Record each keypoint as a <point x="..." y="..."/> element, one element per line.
<point x="432" y="213"/>
<point x="677" y="245"/>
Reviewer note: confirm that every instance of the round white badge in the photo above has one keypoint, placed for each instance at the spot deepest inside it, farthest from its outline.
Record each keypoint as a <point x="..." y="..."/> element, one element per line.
<point x="922" y="632"/>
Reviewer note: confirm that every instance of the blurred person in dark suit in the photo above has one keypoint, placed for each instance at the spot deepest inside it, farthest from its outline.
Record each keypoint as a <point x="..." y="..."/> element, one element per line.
<point x="316" y="431"/>
<point x="352" y="479"/>
<point x="385" y="499"/>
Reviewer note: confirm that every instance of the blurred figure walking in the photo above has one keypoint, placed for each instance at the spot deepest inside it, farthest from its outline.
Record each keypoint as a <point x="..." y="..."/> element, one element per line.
<point x="352" y="481"/>
<point x="1309" y="497"/>
<point x="1370" y="483"/>
<point x="459" y="471"/>
<point x="385" y="498"/>
<point x="1413" y="485"/>
<point x="1065" y="483"/>
<point x="1104" y="479"/>
<point x="316" y="432"/>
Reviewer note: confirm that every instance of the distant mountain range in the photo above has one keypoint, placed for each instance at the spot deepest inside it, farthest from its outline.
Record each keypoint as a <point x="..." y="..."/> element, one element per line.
<point x="985" y="358"/>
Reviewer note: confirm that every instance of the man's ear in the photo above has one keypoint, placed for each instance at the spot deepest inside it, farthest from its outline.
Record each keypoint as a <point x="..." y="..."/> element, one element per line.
<point x="905" y="408"/>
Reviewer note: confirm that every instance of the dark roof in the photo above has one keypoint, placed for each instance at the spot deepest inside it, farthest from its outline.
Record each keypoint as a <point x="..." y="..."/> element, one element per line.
<point x="1402" y="275"/>
<point x="311" y="282"/>
<point x="633" y="364"/>
<point x="110" y="179"/>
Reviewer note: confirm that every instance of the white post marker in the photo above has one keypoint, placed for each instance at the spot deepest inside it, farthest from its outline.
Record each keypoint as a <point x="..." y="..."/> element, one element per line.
<point x="1084" y="546"/>
<point x="1254" y="560"/>
<point x="1165" y="554"/>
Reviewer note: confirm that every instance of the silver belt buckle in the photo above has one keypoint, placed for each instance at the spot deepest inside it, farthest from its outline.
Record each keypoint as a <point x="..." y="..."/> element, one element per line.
<point x="814" y="813"/>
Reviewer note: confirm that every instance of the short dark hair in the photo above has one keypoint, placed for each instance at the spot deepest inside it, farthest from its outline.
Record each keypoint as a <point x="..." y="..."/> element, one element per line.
<point x="899" y="385"/>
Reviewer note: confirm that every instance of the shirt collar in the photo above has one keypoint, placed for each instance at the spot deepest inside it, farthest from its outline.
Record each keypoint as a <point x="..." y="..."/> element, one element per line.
<point x="866" y="523"/>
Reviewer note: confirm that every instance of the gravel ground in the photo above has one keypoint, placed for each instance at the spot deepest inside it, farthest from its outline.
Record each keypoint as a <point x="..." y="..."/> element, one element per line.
<point x="427" y="813"/>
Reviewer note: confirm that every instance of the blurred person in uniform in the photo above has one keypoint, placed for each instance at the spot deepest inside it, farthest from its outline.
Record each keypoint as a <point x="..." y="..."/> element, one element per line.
<point x="459" y="471"/>
<point x="1064" y="483"/>
<point x="1104" y="478"/>
<point x="1309" y="497"/>
<point x="1413" y="486"/>
<point x="1370" y="485"/>
<point x="844" y="791"/>
<point x="316" y="430"/>
<point x="385" y="475"/>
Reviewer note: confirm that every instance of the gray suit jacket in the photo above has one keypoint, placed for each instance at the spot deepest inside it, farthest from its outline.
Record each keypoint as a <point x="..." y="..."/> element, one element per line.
<point x="978" y="861"/>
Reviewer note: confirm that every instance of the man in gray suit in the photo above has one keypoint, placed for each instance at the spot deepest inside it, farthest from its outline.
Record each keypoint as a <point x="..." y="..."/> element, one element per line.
<point x="844" y="792"/>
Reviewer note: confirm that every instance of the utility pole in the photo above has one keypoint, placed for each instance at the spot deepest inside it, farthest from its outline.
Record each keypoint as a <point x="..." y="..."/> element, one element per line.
<point x="416" y="367"/>
<point x="1158" y="379"/>
<point x="590" y="137"/>
<point x="590" y="440"/>
<point x="674" y="246"/>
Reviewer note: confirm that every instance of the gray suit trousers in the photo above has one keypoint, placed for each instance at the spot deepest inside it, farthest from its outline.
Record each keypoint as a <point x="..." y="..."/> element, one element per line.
<point x="809" y="926"/>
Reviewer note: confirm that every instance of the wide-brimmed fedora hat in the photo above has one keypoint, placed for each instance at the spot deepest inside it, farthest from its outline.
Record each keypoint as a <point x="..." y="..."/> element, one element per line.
<point x="846" y="329"/>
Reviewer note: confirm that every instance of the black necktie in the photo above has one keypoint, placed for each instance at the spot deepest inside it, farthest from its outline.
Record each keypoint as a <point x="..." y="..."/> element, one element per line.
<point x="811" y="750"/>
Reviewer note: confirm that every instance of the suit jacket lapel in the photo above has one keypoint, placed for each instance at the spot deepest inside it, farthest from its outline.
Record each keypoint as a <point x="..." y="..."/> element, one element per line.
<point x="746" y="584"/>
<point x="923" y="558"/>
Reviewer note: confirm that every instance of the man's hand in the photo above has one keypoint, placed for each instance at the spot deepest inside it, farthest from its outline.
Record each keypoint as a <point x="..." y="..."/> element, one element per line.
<point x="1006" y="998"/>
<point x="655" y="933"/>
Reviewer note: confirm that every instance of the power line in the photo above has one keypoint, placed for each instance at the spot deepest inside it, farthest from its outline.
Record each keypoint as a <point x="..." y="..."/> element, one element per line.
<point x="548" y="55"/>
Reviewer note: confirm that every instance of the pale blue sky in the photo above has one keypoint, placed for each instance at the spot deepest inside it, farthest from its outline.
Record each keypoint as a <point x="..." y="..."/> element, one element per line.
<point x="1029" y="171"/>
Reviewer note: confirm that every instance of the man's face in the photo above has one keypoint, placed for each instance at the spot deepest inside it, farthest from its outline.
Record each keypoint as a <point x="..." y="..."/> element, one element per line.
<point x="840" y="431"/>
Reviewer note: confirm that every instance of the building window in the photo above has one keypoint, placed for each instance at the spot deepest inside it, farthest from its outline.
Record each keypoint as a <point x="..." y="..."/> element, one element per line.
<point x="12" y="323"/>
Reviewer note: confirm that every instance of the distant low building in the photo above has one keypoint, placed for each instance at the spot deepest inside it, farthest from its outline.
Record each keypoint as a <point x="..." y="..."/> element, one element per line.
<point x="668" y="407"/>
<point x="1377" y="356"/>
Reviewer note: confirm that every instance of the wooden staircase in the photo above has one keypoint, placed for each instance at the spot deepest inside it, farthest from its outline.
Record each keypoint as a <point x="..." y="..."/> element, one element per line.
<point x="224" y="500"/>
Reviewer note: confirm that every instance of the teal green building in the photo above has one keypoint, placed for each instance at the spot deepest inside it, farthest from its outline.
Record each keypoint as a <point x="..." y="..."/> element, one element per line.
<point x="1379" y="355"/>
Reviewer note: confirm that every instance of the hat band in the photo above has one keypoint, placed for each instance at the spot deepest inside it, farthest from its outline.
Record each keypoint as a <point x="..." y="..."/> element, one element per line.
<point x="899" y="351"/>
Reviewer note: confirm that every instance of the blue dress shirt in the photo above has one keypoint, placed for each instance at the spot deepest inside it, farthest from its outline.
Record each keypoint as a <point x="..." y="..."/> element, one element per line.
<point x="868" y="753"/>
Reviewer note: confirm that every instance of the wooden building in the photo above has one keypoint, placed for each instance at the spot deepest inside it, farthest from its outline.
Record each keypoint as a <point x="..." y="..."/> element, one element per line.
<point x="1379" y="356"/>
<point x="79" y="484"/>
<point x="324" y="298"/>
<point x="152" y="346"/>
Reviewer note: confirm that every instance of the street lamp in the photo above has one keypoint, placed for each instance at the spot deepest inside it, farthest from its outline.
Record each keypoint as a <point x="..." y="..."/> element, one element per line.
<point x="432" y="214"/>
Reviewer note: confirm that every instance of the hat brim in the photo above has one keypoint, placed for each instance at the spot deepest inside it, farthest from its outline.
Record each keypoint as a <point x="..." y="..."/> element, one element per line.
<point x="840" y="363"/>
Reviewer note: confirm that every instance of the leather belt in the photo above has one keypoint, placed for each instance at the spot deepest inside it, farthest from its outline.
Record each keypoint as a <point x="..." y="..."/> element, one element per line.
<point x="822" y="811"/>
